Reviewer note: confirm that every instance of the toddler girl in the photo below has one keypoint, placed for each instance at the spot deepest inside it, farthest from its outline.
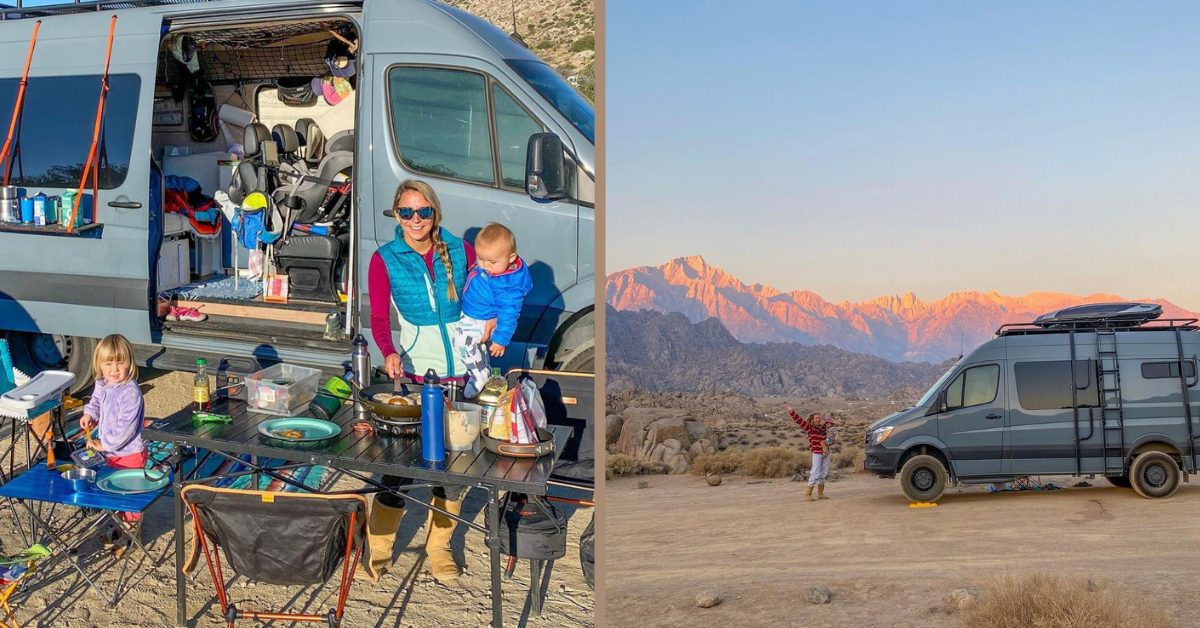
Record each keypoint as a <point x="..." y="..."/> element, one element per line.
<point x="117" y="407"/>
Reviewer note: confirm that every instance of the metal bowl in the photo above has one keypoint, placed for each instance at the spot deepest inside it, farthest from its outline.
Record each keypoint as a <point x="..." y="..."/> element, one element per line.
<point x="536" y="450"/>
<point x="80" y="478"/>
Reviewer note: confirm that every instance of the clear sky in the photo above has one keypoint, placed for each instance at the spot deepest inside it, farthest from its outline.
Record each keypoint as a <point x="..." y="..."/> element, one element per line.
<point x="858" y="149"/>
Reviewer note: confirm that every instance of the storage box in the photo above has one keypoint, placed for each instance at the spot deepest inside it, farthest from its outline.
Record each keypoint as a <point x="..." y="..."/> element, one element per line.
<point x="282" y="388"/>
<point x="174" y="268"/>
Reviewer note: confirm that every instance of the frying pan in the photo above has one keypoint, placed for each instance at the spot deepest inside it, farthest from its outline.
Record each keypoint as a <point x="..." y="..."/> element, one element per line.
<point x="403" y="413"/>
<point x="545" y="445"/>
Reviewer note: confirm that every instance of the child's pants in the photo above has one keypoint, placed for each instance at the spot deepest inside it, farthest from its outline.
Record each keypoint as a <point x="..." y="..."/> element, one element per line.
<point x="820" y="469"/>
<point x="130" y="461"/>
<point x="467" y="342"/>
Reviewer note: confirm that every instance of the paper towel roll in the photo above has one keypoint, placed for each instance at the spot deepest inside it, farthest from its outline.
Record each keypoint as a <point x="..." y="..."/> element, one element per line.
<point x="235" y="116"/>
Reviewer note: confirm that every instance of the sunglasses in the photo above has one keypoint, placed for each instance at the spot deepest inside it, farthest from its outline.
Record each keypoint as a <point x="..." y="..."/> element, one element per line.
<point x="407" y="213"/>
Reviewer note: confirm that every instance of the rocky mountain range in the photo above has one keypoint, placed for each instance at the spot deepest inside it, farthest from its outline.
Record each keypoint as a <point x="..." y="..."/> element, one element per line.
<point x="667" y="353"/>
<point x="892" y="327"/>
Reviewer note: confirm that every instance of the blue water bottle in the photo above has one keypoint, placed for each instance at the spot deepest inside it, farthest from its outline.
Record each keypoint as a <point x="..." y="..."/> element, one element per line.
<point x="433" y="416"/>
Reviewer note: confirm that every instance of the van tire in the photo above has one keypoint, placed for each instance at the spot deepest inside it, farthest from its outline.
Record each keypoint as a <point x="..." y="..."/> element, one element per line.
<point x="29" y="354"/>
<point x="924" y="478"/>
<point x="1119" y="481"/>
<point x="582" y="360"/>
<point x="1154" y="474"/>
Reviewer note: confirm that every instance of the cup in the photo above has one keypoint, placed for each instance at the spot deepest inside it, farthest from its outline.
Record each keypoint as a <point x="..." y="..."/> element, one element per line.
<point x="462" y="425"/>
<point x="26" y="210"/>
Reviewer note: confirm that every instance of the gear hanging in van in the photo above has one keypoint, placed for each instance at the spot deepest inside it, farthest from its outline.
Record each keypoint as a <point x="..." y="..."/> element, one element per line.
<point x="295" y="91"/>
<point x="202" y="110"/>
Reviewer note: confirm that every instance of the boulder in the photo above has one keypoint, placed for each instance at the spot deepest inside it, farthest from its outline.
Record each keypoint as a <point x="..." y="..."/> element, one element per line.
<point x="708" y="599"/>
<point x="670" y="428"/>
<point x="612" y="429"/>
<point x="679" y="464"/>
<point x="673" y="447"/>
<point x="643" y="484"/>
<point x="696" y="449"/>
<point x="714" y="480"/>
<point x="698" y="430"/>
<point x="635" y="425"/>
<point x="658" y="454"/>
<point x="819" y="595"/>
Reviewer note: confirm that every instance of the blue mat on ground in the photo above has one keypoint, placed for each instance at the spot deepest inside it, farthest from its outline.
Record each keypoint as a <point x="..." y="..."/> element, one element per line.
<point x="220" y="288"/>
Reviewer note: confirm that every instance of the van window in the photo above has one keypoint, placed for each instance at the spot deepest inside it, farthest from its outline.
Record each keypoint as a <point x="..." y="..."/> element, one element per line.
<point x="974" y="387"/>
<point x="57" y="122"/>
<point x="1047" y="385"/>
<point x="440" y="122"/>
<point x="513" y="128"/>
<point x="1164" y="370"/>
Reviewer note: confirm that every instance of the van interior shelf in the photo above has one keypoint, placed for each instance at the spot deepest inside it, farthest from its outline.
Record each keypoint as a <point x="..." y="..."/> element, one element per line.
<point x="91" y="230"/>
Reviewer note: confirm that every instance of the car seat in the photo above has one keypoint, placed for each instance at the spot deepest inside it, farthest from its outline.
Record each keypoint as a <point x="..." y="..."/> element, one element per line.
<point x="312" y="142"/>
<point x="252" y="175"/>
<point x="287" y="141"/>
<point x="310" y="260"/>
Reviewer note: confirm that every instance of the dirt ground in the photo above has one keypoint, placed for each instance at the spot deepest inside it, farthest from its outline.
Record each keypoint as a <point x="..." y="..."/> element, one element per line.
<point x="763" y="548"/>
<point x="406" y="596"/>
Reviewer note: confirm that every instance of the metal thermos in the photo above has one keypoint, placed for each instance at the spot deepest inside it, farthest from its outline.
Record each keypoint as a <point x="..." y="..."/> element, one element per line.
<point x="433" y="417"/>
<point x="8" y="204"/>
<point x="360" y="362"/>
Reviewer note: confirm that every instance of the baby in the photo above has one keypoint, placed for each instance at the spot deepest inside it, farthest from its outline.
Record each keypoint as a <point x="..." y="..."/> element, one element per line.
<point x="496" y="287"/>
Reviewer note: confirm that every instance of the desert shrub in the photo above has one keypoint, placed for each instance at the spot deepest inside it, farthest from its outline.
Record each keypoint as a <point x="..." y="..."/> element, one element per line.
<point x="775" y="462"/>
<point x="544" y="45"/>
<point x="646" y="467"/>
<point x="722" y="462"/>
<point x="1051" y="602"/>
<point x="849" y="459"/>
<point x="584" y="43"/>
<point x="619" y="466"/>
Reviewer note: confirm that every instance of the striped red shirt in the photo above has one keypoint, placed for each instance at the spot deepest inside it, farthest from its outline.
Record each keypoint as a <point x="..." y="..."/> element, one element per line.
<point x="816" y="433"/>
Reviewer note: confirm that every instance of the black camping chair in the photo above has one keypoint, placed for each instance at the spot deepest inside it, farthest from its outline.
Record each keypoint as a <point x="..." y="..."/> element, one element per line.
<point x="277" y="538"/>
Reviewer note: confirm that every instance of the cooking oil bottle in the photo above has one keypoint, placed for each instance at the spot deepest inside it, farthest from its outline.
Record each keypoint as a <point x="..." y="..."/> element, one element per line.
<point x="491" y="400"/>
<point x="200" y="387"/>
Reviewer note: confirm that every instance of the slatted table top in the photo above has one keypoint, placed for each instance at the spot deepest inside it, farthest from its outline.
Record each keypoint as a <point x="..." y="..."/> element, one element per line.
<point x="363" y="452"/>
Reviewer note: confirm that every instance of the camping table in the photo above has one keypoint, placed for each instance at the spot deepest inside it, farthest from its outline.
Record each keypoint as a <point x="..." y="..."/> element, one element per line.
<point x="40" y="484"/>
<point x="358" y="453"/>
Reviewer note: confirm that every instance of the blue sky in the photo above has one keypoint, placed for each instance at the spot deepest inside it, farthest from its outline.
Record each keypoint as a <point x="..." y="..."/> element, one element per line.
<point x="865" y="148"/>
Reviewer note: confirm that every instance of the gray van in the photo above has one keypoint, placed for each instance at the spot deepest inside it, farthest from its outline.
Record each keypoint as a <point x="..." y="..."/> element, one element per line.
<point x="420" y="90"/>
<point x="1103" y="389"/>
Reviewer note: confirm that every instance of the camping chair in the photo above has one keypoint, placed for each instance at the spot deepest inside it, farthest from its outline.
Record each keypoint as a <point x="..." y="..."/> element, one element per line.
<point x="15" y="570"/>
<point x="277" y="538"/>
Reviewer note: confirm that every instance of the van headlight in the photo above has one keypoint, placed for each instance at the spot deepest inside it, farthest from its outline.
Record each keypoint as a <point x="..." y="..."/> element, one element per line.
<point x="880" y="434"/>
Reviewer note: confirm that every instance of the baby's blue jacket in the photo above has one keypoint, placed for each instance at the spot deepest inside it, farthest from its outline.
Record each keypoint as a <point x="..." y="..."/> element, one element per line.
<point x="499" y="297"/>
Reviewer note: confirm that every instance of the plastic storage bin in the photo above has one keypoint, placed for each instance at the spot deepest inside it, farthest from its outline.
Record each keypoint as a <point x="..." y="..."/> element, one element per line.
<point x="282" y="388"/>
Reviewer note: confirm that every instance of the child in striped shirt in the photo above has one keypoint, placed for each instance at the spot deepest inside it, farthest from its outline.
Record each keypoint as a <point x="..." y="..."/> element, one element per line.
<point x="819" y="440"/>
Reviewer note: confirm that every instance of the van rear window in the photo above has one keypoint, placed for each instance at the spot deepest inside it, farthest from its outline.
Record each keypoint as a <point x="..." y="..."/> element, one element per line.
<point x="1164" y="370"/>
<point x="1047" y="385"/>
<point x="51" y="142"/>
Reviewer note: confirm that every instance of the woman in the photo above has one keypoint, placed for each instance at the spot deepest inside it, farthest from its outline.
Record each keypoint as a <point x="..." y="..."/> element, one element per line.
<point x="421" y="272"/>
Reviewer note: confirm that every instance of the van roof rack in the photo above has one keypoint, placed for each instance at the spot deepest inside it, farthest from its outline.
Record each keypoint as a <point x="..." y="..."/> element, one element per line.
<point x="1122" y="316"/>
<point x="20" y="10"/>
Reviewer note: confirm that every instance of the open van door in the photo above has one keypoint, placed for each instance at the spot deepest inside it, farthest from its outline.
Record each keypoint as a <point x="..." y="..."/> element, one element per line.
<point x="97" y="281"/>
<point x="441" y="105"/>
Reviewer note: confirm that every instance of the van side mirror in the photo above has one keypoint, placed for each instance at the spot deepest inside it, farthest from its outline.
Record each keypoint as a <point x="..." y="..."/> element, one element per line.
<point x="941" y="401"/>
<point x="545" y="178"/>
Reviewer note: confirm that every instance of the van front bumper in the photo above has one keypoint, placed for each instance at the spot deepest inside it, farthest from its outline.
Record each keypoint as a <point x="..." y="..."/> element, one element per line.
<point x="881" y="460"/>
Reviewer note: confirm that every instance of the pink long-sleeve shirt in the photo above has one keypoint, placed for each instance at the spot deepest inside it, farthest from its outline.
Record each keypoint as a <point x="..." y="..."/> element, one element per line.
<point x="379" y="292"/>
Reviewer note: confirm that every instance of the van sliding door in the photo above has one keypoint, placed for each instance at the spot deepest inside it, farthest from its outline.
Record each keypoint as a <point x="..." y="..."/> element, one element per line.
<point x="98" y="281"/>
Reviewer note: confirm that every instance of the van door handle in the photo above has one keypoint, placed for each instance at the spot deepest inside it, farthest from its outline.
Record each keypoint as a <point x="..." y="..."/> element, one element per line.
<point x="125" y="204"/>
<point x="992" y="416"/>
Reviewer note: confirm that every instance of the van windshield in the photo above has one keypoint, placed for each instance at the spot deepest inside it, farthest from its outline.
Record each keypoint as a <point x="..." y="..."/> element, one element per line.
<point x="933" y="389"/>
<point x="560" y="94"/>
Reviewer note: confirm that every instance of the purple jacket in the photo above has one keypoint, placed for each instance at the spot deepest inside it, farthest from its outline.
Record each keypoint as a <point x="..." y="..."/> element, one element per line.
<point x="119" y="409"/>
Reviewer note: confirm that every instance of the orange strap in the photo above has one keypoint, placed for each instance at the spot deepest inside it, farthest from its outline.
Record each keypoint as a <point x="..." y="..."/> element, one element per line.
<point x="12" y="124"/>
<point x="87" y="168"/>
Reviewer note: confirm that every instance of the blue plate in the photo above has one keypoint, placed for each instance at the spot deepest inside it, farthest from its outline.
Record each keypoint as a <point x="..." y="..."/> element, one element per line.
<point x="312" y="429"/>
<point x="133" y="482"/>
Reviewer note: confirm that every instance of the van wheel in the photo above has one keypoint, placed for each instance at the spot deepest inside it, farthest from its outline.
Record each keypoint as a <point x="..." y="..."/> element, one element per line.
<point x="1154" y="474"/>
<point x="582" y="360"/>
<point x="924" y="478"/>
<point x="33" y="353"/>
<point x="1119" y="481"/>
